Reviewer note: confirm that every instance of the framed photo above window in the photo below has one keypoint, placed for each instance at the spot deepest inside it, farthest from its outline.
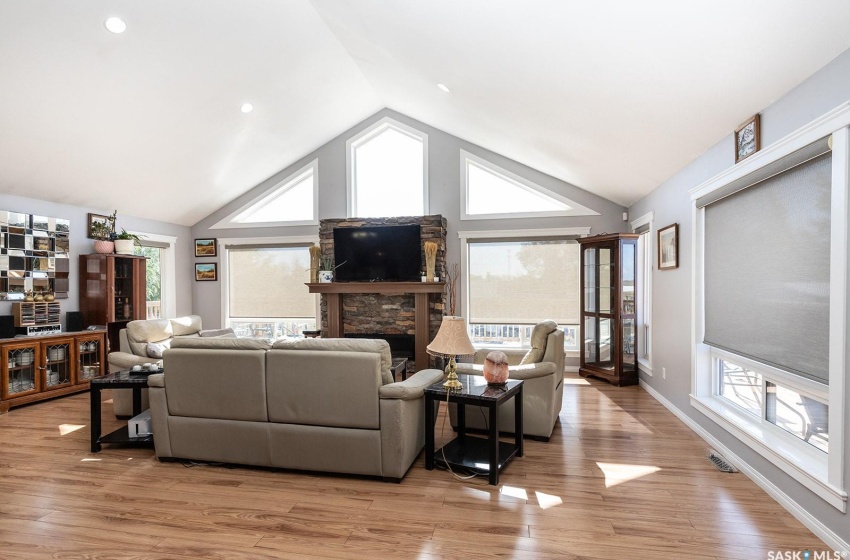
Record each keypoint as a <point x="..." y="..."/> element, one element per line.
<point x="206" y="272"/>
<point x="747" y="139"/>
<point x="668" y="247"/>
<point x="205" y="247"/>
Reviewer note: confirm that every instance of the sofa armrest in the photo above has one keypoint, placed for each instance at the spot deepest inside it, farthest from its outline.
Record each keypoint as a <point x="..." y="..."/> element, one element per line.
<point x="124" y="360"/>
<point x="528" y="371"/>
<point x="156" y="380"/>
<point x="411" y="388"/>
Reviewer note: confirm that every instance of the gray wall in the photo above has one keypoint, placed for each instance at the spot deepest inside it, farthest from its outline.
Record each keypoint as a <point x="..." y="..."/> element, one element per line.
<point x="672" y="295"/>
<point x="81" y="245"/>
<point x="444" y="191"/>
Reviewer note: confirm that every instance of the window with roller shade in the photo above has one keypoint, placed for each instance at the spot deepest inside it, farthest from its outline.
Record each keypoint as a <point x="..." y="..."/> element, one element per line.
<point x="514" y="284"/>
<point x="267" y="297"/>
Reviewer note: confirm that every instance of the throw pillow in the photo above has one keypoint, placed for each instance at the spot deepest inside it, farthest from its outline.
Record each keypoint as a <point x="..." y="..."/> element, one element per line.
<point x="155" y="349"/>
<point x="538" y="342"/>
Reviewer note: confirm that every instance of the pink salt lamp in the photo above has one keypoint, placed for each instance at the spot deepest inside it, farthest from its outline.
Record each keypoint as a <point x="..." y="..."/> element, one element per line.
<point x="496" y="368"/>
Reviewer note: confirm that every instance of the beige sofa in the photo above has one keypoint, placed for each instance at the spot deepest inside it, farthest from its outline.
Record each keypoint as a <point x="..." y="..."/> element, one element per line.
<point x="543" y="387"/>
<point x="143" y="342"/>
<point x="317" y="404"/>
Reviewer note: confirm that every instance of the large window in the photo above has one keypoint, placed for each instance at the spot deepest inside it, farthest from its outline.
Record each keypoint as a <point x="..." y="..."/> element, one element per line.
<point x="160" y="300"/>
<point x="388" y="171"/>
<point x="771" y="289"/>
<point x="512" y="283"/>
<point x="266" y="295"/>
<point x="645" y="265"/>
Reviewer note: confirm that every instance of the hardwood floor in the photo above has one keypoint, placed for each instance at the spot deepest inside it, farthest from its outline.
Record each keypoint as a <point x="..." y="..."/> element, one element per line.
<point x="621" y="478"/>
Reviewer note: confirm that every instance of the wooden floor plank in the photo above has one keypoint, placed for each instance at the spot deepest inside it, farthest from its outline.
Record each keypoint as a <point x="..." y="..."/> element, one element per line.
<point x="621" y="477"/>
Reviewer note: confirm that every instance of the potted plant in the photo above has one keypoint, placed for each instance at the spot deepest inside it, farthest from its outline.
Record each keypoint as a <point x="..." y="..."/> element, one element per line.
<point x="125" y="242"/>
<point x="326" y="269"/>
<point x="103" y="232"/>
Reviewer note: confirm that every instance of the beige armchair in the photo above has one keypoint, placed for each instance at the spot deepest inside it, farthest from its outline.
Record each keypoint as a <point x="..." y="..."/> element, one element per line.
<point x="542" y="370"/>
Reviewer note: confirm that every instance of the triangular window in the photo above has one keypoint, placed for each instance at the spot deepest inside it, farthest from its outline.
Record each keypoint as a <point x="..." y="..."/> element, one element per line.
<point x="292" y="201"/>
<point x="492" y="192"/>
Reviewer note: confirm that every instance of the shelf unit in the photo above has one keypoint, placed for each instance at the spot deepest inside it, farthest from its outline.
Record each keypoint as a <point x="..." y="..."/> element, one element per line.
<point x="112" y="291"/>
<point x="30" y="314"/>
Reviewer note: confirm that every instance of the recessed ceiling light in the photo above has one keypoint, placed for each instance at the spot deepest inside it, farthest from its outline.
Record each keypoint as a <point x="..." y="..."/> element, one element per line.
<point x="115" y="25"/>
<point x="443" y="87"/>
<point x="247" y="108"/>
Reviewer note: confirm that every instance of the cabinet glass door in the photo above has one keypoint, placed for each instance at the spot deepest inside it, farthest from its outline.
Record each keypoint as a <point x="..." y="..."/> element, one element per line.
<point x="21" y="370"/>
<point x="57" y="364"/>
<point x="124" y="289"/>
<point x="628" y="254"/>
<point x="89" y="365"/>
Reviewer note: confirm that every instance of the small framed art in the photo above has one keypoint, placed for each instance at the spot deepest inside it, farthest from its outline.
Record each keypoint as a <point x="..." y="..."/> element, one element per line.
<point x="668" y="247"/>
<point x="206" y="272"/>
<point x="104" y="222"/>
<point x="747" y="139"/>
<point x="205" y="247"/>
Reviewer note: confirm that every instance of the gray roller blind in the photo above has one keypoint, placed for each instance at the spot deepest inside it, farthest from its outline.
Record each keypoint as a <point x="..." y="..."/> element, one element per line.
<point x="767" y="270"/>
<point x="524" y="281"/>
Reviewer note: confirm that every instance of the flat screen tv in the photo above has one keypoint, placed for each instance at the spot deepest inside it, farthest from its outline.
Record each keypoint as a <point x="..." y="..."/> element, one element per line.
<point x="378" y="254"/>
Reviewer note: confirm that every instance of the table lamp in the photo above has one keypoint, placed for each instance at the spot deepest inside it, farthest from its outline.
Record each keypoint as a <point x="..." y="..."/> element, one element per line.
<point x="452" y="340"/>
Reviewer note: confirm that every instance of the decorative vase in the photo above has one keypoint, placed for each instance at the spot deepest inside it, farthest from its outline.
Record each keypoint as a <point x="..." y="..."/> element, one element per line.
<point x="124" y="246"/>
<point x="496" y="368"/>
<point x="103" y="246"/>
<point x="38" y="297"/>
<point x="326" y="276"/>
<point x="48" y="297"/>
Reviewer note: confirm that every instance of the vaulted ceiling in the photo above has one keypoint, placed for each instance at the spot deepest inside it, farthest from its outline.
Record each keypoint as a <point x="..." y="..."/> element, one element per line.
<point x="613" y="96"/>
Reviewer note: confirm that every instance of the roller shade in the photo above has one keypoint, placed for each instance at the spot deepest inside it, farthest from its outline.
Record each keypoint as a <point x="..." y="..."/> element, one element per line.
<point x="269" y="282"/>
<point x="523" y="281"/>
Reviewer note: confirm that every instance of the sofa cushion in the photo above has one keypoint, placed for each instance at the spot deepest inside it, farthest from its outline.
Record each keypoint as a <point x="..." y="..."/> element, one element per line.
<point x="377" y="346"/>
<point x="538" y="342"/>
<point x="155" y="349"/>
<point x="139" y="333"/>
<point x="220" y="343"/>
<point x="228" y="332"/>
<point x="181" y="326"/>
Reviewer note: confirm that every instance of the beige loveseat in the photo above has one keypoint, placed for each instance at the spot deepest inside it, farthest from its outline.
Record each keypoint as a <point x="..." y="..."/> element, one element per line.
<point x="316" y="404"/>
<point x="543" y="388"/>
<point x="144" y="342"/>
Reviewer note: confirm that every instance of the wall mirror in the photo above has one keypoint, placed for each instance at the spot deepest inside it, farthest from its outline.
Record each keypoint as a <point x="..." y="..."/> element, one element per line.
<point x="34" y="254"/>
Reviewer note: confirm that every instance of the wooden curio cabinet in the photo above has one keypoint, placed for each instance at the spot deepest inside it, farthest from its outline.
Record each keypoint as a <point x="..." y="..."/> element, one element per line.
<point x="608" y="309"/>
<point x="112" y="291"/>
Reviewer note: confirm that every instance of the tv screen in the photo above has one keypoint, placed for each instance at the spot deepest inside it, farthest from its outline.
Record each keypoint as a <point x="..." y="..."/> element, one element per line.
<point x="378" y="254"/>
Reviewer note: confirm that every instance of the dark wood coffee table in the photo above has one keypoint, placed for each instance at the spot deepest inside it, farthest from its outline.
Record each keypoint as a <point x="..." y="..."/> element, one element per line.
<point x="470" y="452"/>
<point x="117" y="380"/>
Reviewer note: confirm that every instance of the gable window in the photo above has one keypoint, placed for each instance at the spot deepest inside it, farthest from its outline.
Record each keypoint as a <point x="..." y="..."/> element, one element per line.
<point x="517" y="279"/>
<point x="388" y="171"/>
<point x="771" y="301"/>
<point x="488" y="191"/>
<point x="290" y="202"/>
<point x="265" y="292"/>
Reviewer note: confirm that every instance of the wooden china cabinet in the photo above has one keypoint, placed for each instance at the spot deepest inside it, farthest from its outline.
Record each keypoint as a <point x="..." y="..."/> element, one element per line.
<point x="608" y="309"/>
<point x="112" y="291"/>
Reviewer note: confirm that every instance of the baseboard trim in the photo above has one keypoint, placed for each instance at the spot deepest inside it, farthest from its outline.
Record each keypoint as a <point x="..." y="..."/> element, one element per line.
<point x="570" y="369"/>
<point x="823" y="532"/>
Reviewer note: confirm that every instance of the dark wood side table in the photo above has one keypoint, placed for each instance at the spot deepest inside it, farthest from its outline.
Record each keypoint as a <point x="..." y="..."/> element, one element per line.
<point x="469" y="451"/>
<point x="118" y="380"/>
<point x="399" y="365"/>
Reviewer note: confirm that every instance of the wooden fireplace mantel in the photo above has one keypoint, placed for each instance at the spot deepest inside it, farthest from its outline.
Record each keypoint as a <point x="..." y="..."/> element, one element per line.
<point x="421" y="291"/>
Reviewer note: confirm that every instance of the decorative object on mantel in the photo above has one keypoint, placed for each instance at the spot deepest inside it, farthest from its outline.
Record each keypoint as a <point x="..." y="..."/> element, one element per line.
<point x="747" y="138"/>
<point x="206" y="272"/>
<point x="315" y="256"/>
<point x="327" y="268"/>
<point x="668" y="247"/>
<point x="125" y="242"/>
<point x="452" y="340"/>
<point x="430" y="260"/>
<point x="206" y="247"/>
<point x="496" y="368"/>
<point x="452" y="274"/>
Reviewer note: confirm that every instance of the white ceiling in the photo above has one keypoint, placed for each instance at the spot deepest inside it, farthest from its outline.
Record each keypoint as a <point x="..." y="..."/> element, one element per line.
<point x="613" y="96"/>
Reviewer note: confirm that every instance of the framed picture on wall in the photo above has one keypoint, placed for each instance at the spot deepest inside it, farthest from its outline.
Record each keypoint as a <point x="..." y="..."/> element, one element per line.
<point x="206" y="272"/>
<point x="668" y="247"/>
<point x="747" y="139"/>
<point x="205" y="247"/>
<point x="101" y="220"/>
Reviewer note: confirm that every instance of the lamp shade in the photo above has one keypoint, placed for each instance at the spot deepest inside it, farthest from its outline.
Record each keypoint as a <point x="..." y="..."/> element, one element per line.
<point x="452" y="339"/>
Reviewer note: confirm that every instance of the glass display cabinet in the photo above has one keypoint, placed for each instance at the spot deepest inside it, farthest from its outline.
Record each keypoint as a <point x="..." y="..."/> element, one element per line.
<point x="608" y="309"/>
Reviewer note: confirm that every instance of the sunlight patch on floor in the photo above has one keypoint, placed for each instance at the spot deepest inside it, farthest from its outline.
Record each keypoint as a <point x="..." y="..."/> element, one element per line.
<point x="89" y="459"/>
<point x="618" y="473"/>
<point x="65" y="429"/>
<point x="514" y="492"/>
<point x="547" y="501"/>
<point x="576" y="381"/>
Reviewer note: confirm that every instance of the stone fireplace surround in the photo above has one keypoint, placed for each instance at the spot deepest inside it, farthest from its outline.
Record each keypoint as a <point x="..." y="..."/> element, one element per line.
<point x="388" y="314"/>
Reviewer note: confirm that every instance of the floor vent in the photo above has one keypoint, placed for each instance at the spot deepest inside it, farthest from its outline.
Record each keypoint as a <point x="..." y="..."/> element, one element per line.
<point x="719" y="462"/>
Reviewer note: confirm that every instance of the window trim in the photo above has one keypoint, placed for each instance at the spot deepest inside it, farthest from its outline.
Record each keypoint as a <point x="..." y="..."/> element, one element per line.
<point x="224" y="265"/>
<point x="645" y="364"/>
<point x="823" y="477"/>
<point x="466" y="158"/>
<point x="364" y="137"/>
<point x="272" y="193"/>
<point x="168" y="271"/>
<point x="466" y="236"/>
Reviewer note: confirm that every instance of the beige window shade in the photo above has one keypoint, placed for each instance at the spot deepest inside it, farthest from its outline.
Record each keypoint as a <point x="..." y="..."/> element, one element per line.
<point x="524" y="281"/>
<point x="269" y="282"/>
